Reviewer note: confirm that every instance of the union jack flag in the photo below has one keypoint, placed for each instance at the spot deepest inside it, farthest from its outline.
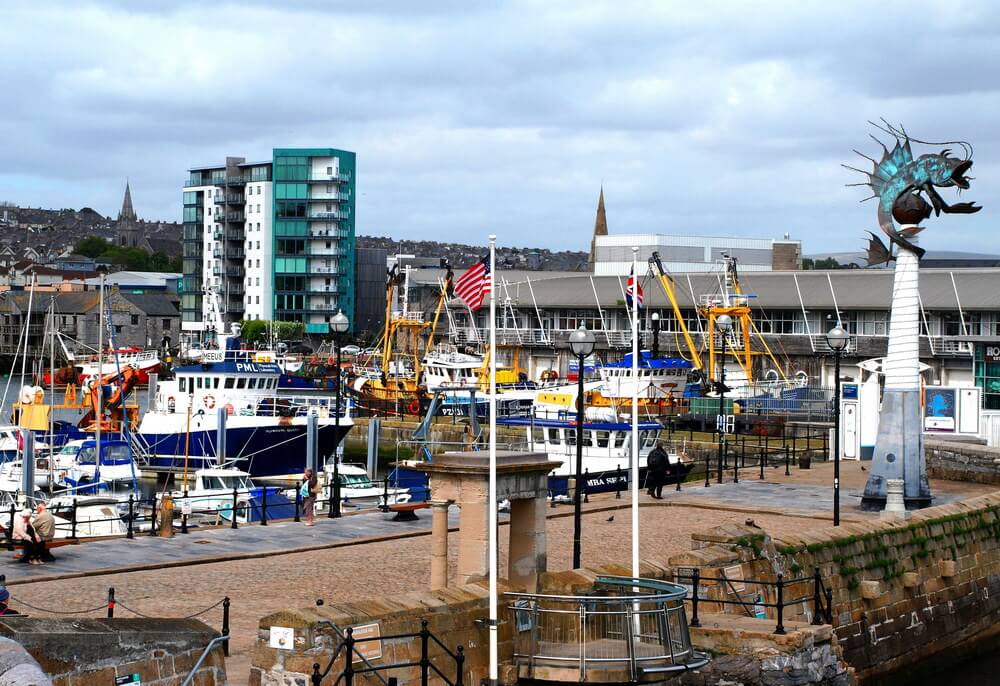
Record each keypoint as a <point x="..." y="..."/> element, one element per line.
<point x="633" y="289"/>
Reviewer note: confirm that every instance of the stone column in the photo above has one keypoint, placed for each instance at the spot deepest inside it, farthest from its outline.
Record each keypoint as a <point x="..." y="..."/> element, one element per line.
<point x="527" y="557"/>
<point x="473" y="542"/>
<point x="439" y="544"/>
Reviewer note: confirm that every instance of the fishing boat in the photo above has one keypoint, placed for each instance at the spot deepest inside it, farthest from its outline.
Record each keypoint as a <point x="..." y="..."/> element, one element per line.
<point x="111" y="471"/>
<point x="357" y="488"/>
<point x="214" y="491"/>
<point x="265" y="431"/>
<point x="144" y="362"/>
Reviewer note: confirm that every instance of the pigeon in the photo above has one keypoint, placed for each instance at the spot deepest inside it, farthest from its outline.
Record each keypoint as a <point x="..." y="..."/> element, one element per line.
<point x="611" y="518"/>
<point x="863" y="468"/>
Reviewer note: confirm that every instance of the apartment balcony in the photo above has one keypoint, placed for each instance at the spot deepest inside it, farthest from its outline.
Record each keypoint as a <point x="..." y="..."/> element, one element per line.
<point x="236" y="289"/>
<point x="324" y="269"/>
<point x="327" y="216"/>
<point x="343" y="177"/>
<point x="327" y="232"/>
<point x="235" y="270"/>
<point x="323" y="251"/>
<point x="235" y="235"/>
<point x="342" y="196"/>
<point x="324" y="290"/>
<point x="322" y="307"/>
<point x="228" y="199"/>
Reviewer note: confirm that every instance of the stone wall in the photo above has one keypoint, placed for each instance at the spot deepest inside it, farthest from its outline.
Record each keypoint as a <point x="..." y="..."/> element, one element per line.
<point x="957" y="461"/>
<point x="80" y="652"/>
<point x="903" y="591"/>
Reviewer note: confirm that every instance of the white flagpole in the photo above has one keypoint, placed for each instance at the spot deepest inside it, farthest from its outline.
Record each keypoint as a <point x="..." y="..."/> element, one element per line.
<point x="635" y="415"/>
<point x="494" y="624"/>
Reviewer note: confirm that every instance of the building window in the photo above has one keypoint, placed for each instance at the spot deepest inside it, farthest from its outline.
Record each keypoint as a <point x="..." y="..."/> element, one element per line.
<point x="329" y="170"/>
<point x="118" y="328"/>
<point x="165" y="325"/>
<point x="135" y="320"/>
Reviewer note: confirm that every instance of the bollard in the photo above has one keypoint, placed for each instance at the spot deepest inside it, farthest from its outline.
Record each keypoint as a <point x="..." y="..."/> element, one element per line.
<point x="131" y="516"/>
<point x="694" y="597"/>
<point x="787" y="473"/>
<point x="263" y="507"/>
<point x="708" y="470"/>
<point x="817" y="602"/>
<point x="760" y="458"/>
<point x="349" y="658"/>
<point x="111" y="603"/>
<point x="736" y="469"/>
<point x="236" y="496"/>
<point x="298" y="504"/>
<point x="166" y="516"/>
<point x="317" y="678"/>
<point x="618" y="482"/>
<point x="184" y="517"/>
<point x="225" y="625"/>
<point x="780" y="629"/>
<point x="72" y="532"/>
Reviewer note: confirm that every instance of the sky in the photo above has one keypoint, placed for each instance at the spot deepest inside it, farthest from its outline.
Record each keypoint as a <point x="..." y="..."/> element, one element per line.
<point x="470" y="118"/>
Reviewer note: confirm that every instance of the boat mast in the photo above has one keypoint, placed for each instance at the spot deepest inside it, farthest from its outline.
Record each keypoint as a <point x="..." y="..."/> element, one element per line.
<point x="52" y="387"/>
<point x="100" y="363"/>
<point x="668" y="288"/>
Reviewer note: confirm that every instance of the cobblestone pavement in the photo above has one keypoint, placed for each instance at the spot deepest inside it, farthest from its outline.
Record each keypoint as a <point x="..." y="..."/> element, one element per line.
<point x="264" y="585"/>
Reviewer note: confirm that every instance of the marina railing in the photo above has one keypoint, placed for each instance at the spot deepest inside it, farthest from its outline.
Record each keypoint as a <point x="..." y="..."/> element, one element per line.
<point x="627" y="628"/>
<point x="806" y="589"/>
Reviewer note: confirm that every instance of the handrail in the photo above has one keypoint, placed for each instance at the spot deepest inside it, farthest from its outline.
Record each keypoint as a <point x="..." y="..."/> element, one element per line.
<point x="211" y="644"/>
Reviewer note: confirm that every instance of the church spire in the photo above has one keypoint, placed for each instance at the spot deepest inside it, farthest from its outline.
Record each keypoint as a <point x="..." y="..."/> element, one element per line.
<point x="127" y="213"/>
<point x="600" y="228"/>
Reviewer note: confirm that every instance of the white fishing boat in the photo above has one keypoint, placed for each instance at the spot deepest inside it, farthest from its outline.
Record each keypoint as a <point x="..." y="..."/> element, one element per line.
<point x="95" y="516"/>
<point x="11" y="474"/>
<point x="357" y="488"/>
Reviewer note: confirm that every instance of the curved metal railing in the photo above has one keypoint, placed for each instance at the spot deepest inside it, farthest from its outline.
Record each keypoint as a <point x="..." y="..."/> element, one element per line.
<point x="628" y="625"/>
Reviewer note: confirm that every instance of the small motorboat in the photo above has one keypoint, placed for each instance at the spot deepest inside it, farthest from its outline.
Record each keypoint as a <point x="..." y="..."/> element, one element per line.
<point x="95" y="516"/>
<point x="213" y="492"/>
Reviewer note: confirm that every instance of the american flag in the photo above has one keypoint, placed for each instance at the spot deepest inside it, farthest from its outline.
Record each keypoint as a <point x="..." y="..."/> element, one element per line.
<point x="474" y="284"/>
<point x="633" y="288"/>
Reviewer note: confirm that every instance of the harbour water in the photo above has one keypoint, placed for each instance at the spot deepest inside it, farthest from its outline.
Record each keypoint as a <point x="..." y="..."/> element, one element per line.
<point x="982" y="669"/>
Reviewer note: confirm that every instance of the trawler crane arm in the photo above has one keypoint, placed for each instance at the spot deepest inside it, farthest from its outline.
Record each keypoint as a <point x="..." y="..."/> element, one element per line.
<point x="667" y="284"/>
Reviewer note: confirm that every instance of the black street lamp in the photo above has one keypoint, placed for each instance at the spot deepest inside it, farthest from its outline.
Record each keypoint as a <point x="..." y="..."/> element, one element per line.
<point x="339" y="324"/>
<point x="581" y="343"/>
<point x="837" y="338"/>
<point x="723" y="323"/>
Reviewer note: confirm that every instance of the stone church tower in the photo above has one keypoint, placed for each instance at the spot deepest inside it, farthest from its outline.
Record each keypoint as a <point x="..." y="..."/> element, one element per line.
<point x="129" y="231"/>
<point x="600" y="229"/>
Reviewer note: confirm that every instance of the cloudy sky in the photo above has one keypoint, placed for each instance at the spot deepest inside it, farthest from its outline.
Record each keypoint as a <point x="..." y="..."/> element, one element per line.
<point x="475" y="117"/>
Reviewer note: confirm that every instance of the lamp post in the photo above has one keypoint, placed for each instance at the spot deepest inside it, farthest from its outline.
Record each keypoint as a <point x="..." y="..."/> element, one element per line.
<point x="339" y="324"/>
<point x="581" y="343"/>
<point x="723" y="323"/>
<point x="655" y="317"/>
<point x="837" y="338"/>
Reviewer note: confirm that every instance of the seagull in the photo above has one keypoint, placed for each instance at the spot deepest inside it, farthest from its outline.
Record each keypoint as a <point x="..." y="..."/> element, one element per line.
<point x="611" y="518"/>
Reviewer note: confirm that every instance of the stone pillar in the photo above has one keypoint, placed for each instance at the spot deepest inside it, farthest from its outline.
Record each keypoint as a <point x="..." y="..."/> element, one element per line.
<point x="527" y="556"/>
<point x="895" y="507"/>
<point x="439" y="544"/>
<point x="473" y="543"/>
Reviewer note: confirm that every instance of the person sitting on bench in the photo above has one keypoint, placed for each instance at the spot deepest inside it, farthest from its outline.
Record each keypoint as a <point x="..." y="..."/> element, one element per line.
<point x="45" y="527"/>
<point x="25" y="535"/>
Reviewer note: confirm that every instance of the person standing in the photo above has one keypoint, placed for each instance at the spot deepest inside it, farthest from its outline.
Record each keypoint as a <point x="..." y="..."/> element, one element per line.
<point x="656" y="465"/>
<point x="45" y="527"/>
<point x="308" y="492"/>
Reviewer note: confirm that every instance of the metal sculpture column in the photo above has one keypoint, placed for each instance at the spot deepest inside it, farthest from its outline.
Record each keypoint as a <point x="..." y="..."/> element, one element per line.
<point x="899" y="183"/>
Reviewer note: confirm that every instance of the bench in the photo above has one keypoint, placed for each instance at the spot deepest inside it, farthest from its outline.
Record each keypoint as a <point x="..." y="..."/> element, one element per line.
<point x="407" y="512"/>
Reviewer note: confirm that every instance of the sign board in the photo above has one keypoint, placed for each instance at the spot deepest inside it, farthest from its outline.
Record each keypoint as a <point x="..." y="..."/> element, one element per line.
<point x="132" y="679"/>
<point x="735" y="576"/>
<point x="725" y="423"/>
<point x="523" y="616"/>
<point x="186" y="507"/>
<point x="991" y="353"/>
<point x="367" y="649"/>
<point x="940" y="409"/>
<point x="282" y="638"/>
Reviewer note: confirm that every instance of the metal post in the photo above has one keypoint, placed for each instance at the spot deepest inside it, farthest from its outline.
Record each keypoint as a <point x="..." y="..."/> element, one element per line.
<point x="722" y="403"/>
<point x="577" y="512"/>
<point x="586" y="480"/>
<point x="460" y="666"/>
<point x="72" y="531"/>
<point x="787" y="473"/>
<point x="349" y="658"/>
<point x="10" y="527"/>
<point x="424" y="656"/>
<point x="618" y="482"/>
<point x="335" y="505"/>
<point x="220" y="433"/>
<point x="236" y="496"/>
<point x="263" y="507"/>
<point x="336" y="416"/>
<point x="736" y="469"/>
<point x="152" y="518"/>
<point x="836" y="439"/>
<point x="131" y="516"/>
<point x="184" y="517"/>
<point x="694" y="597"/>
<point x="317" y="678"/>
<point x="329" y="495"/>
<point x="385" y="494"/>
<point x="298" y="504"/>
<point x="761" y="456"/>
<point x="312" y="442"/>
<point x="708" y="470"/>
<point x="817" y="597"/>
<point x="780" y="629"/>
<point x="225" y="625"/>
<point x="111" y="603"/>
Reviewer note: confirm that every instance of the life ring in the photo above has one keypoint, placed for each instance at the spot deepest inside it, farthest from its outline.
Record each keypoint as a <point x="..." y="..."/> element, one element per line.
<point x="413" y="407"/>
<point x="209" y="401"/>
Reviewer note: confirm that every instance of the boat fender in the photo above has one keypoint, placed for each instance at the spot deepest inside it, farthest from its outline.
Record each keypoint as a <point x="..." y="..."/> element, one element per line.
<point x="413" y="407"/>
<point x="229" y="409"/>
<point x="209" y="401"/>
